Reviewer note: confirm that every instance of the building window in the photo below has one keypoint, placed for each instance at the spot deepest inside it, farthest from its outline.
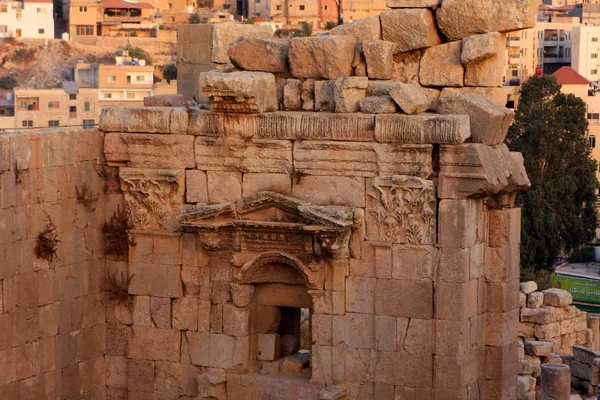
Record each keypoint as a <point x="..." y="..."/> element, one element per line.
<point x="88" y="123"/>
<point x="140" y="78"/>
<point x="72" y="111"/>
<point x="87" y="106"/>
<point x="82" y="9"/>
<point x="112" y="78"/>
<point x="53" y="105"/>
<point x="594" y="39"/>
<point x="592" y="140"/>
<point x="3" y="8"/>
<point x="131" y="96"/>
<point x="72" y="97"/>
<point x="27" y="123"/>
<point x="302" y="7"/>
<point x="108" y="95"/>
<point x="593" y="71"/>
<point x="325" y="8"/>
<point x="594" y="55"/>
<point x="278" y="8"/>
<point x="53" y="123"/>
<point x="170" y="5"/>
<point x="84" y="30"/>
<point x="40" y="10"/>
<point x="41" y="31"/>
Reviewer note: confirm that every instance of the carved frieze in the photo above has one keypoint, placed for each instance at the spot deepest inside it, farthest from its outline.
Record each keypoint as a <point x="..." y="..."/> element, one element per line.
<point x="152" y="197"/>
<point x="401" y="209"/>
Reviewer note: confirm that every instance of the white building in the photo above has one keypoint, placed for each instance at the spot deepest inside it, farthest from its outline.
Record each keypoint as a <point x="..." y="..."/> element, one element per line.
<point x="586" y="47"/>
<point x="27" y="19"/>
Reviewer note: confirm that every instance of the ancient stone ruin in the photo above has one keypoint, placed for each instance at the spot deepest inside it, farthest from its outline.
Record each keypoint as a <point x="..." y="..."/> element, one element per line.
<point x="310" y="234"/>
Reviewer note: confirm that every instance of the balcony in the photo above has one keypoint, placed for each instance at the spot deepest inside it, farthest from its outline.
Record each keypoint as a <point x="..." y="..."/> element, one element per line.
<point x="513" y="42"/>
<point x="556" y="58"/>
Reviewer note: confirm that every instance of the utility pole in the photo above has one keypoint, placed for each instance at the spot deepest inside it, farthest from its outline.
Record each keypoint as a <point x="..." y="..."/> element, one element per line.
<point x="340" y="12"/>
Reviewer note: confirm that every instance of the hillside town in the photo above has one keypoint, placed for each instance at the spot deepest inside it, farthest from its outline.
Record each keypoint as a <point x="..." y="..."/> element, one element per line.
<point x="299" y="200"/>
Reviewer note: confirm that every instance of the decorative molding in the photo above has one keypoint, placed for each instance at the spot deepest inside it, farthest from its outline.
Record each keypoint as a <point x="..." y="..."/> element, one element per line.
<point x="263" y="269"/>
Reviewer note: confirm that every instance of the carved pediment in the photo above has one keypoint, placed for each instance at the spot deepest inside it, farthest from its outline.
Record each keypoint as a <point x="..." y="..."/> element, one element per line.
<point x="268" y="219"/>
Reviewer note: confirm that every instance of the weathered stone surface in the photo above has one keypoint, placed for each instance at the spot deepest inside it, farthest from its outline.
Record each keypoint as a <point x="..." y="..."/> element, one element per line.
<point x="555" y="382"/>
<point x="495" y="94"/>
<point x="411" y="97"/>
<point x="410" y="29"/>
<point x="478" y="48"/>
<point x="489" y="121"/>
<point x="460" y="18"/>
<point x="307" y="95"/>
<point x="137" y="119"/>
<point x="364" y="29"/>
<point x="413" y="3"/>
<point x="538" y="348"/>
<point x="426" y="128"/>
<point x="324" y="100"/>
<point x="292" y="90"/>
<point x="538" y="315"/>
<point x="260" y="155"/>
<point x="167" y="100"/>
<point x="379" y="56"/>
<point x="488" y="72"/>
<point x="154" y="344"/>
<point x="380" y="88"/>
<point x="240" y="91"/>
<point x="148" y="150"/>
<point x="557" y="297"/>
<point x="260" y="54"/>
<point x="406" y="66"/>
<point x="378" y="105"/>
<point x="476" y="169"/>
<point x="347" y="92"/>
<point x="535" y="299"/>
<point x="441" y="66"/>
<point x="322" y="56"/>
<point x="528" y="287"/>
<point x="224" y="35"/>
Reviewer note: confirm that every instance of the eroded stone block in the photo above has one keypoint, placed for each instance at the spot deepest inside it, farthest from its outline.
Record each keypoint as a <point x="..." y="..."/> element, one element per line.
<point x="322" y="56"/>
<point x="411" y="97"/>
<point x="441" y="66"/>
<point x="410" y="29"/>
<point x="243" y="92"/>
<point x="347" y="92"/>
<point x="426" y="128"/>
<point x="260" y="54"/>
<point x="379" y="56"/>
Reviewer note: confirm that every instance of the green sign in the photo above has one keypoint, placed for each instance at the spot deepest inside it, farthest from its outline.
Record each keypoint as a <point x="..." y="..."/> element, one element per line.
<point x="582" y="289"/>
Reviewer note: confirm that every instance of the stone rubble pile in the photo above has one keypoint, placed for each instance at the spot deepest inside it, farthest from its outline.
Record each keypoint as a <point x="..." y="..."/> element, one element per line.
<point x="407" y="60"/>
<point x="549" y="328"/>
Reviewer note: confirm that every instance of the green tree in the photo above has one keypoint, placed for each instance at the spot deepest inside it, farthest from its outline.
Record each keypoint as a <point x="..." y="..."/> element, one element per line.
<point x="137" y="52"/>
<point x="558" y="215"/>
<point x="8" y="82"/>
<point x="194" y="19"/>
<point x="170" y="72"/>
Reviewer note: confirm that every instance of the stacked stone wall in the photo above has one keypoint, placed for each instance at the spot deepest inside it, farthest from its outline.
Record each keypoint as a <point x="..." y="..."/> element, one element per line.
<point x="52" y="312"/>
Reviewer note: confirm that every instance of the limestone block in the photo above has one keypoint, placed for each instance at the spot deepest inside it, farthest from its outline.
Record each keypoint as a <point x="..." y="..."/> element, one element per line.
<point x="501" y="361"/>
<point x="547" y="331"/>
<point x="260" y="54"/>
<point x="361" y="159"/>
<point x="292" y="91"/>
<point x="406" y="66"/>
<point x="502" y="297"/>
<point x="538" y="316"/>
<point x="259" y="182"/>
<point x="195" y="186"/>
<point x="495" y="94"/>
<point x="198" y="347"/>
<point x="148" y="150"/>
<point x="522" y="300"/>
<point x="500" y="329"/>
<point x="488" y="72"/>
<point x="419" y="337"/>
<point x="222" y="350"/>
<point x="322" y="56"/>
<point x="155" y="280"/>
<point x="557" y="297"/>
<point x="324" y="100"/>
<point x="410" y="29"/>
<point x="245" y="92"/>
<point x="413" y="3"/>
<point x="555" y="382"/>
<point x="348" y="92"/>
<point x="363" y="29"/>
<point x="457" y="301"/>
<point x="136" y="119"/>
<point x="141" y="311"/>
<point x="160" y="312"/>
<point x="441" y="66"/>
<point x="426" y="128"/>
<point x="535" y="300"/>
<point x="341" y="190"/>
<point x="403" y="298"/>
<point x="185" y="314"/>
<point x="385" y="333"/>
<point x="458" y="18"/>
<point x="411" y="97"/>
<point x="380" y="88"/>
<point x="478" y="48"/>
<point x="402" y="369"/>
<point x="538" y="348"/>
<point x="223" y="36"/>
<point x="361" y="69"/>
<point x="241" y="294"/>
<point x="224" y="186"/>
<point x="360" y="330"/>
<point x="269" y="346"/>
<point x="360" y="294"/>
<point x="528" y="287"/>
<point x="379" y="56"/>
<point x="378" y="105"/>
<point x="154" y="344"/>
<point x="239" y="155"/>
<point x="332" y="393"/>
<point x="307" y="95"/>
<point x="167" y="100"/>
<point x="235" y="320"/>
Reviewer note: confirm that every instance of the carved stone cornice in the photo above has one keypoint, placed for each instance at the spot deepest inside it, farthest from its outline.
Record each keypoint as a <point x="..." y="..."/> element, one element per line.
<point x="270" y="221"/>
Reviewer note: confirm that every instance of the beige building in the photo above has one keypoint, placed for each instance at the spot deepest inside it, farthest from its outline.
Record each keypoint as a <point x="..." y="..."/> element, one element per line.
<point x="292" y="13"/>
<point x="67" y="106"/>
<point x="119" y="84"/>
<point x="358" y="9"/>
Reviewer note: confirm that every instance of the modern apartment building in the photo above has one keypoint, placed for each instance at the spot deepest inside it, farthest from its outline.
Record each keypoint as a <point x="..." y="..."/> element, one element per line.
<point x="521" y="56"/>
<point x="67" y="106"/>
<point x="358" y="9"/>
<point x="586" y="48"/>
<point x="554" y="49"/>
<point x="122" y="84"/>
<point x="27" y="19"/>
<point x="292" y="13"/>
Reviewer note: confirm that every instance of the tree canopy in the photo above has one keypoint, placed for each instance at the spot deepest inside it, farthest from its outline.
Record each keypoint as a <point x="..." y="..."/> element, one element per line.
<point x="558" y="214"/>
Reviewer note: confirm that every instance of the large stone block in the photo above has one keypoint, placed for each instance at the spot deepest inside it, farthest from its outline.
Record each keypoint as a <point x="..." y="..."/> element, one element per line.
<point x="155" y="280"/>
<point x="402" y="369"/>
<point x="148" y="150"/>
<point x="490" y="71"/>
<point x="441" y="66"/>
<point x="402" y="298"/>
<point x="244" y="92"/>
<point x="406" y="66"/>
<point x="410" y="29"/>
<point x="344" y="191"/>
<point x="379" y="57"/>
<point x="501" y="329"/>
<point x="495" y="94"/>
<point x="224" y="35"/>
<point x="557" y="297"/>
<point x="143" y="119"/>
<point x="292" y="91"/>
<point x="378" y="105"/>
<point x="460" y="18"/>
<point x="260" y="54"/>
<point x="363" y="29"/>
<point x="322" y="56"/>
<point x="347" y="92"/>
<point x="411" y="97"/>
<point x="413" y="3"/>
<point x="478" y="48"/>
<point x="154" y="344"/>
<point x="324" y="100"/>
<point x="426" y="128"/>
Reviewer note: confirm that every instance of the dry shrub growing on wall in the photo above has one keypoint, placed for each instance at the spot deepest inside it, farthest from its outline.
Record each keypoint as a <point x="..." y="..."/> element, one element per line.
<point x="117" y="285"/>
<point x="47" y="243"/>
<point x="18" y="173"/>
<point x="86" y="197"/>
<point x="115" y="233"/>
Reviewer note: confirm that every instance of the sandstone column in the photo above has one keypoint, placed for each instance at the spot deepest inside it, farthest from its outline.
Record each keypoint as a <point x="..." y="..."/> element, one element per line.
<point x="556" y="382"/>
